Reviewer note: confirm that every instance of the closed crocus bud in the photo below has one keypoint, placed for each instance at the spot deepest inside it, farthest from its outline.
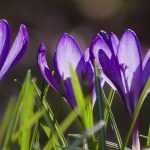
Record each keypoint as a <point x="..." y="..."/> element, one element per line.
<point x="67" y="54"/>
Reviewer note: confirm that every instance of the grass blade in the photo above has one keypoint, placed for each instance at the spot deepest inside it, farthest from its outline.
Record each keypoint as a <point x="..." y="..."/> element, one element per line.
<point x="26" y="112"/>
<point x="148" y="138"/>
<point x="136" y="112"/>
<point x="84" y="105"/>
<point x="6" y="119"/>
<point x="99" y="107"/>
<point x="49" y="117"/>
<point x="15" y="115"/>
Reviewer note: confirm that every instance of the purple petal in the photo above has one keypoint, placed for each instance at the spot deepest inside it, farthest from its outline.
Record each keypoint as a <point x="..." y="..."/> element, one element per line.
<point x="99" y="44"/>
<point x="45" y="70"/>
<point x="115" y="42"/>
<point x="68" y="55"/>
<point x="111" y="69"/>
<point x="68" y="93"/>
<point x="87" y="55"/>
<point x="4" y="40"/>
<point x="85" y="71"/>
<point x="17" y="50"/>
<point x="146" y="69"/>
<point x="129" y="57"/>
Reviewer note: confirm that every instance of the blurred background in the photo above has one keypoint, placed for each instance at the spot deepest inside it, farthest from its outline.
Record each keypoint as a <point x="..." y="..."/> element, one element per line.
<point x="48" y="19"/>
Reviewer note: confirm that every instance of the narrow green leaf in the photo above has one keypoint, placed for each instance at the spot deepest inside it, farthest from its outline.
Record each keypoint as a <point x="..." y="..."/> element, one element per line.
<point x="112" y="120"/>
<point x="32" y="120"/>
<point x="68" y="120"/>
<point x="148" y="138"/>
<point x="136" y="112"/>
<point x="84" y="105"/>
<point x="99" y="107"/>
<point x="26" y="112"/>
<point x="6" y="119"/>
<point x="58" y="137"/>
<point x="109" y="100"/>
<point x="15" y="115"/>
<point x="35" y="143"/>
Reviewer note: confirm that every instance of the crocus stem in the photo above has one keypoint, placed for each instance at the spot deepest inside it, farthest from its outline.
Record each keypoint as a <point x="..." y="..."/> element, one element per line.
<point x="135" y="139"/>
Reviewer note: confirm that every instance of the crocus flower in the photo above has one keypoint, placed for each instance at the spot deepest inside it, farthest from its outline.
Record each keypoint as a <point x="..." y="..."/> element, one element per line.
<point x="67" y="54"/>
<point x="122" y="64"/>
<point x="11" y="55"/>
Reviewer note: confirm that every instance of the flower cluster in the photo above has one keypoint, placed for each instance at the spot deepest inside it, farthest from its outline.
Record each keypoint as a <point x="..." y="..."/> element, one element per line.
<point x="120" y="61"/>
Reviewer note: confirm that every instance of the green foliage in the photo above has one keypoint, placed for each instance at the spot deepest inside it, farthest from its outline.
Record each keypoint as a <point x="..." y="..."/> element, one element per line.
<point x="30" y="117"/>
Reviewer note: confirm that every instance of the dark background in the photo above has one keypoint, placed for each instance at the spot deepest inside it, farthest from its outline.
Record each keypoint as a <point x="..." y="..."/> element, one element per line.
<point x="48" y="19"/>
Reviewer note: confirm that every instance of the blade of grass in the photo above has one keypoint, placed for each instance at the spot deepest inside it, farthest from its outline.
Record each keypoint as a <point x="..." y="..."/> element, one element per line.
<point x="112" y="120"/>
<point x="136" y="112"/>
<point x="15" y="115"/>
<point x="99" y="107"/>
<point x="63" y="127"/>
<point x="148" y="138"/>
<point x="35" y="143"/>
<point x="84" y="105"/>
<point x="109" y="100"/>
<point x="26" y="113"/>
<point x="49" y="116"/>
<point x="6" y="119"/>
<point x="32" y="120"/>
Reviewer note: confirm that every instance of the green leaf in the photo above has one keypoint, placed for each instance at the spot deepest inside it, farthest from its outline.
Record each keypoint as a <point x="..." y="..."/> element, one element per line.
<point x="109" y="100"/>
<point x="15" y="113"/>
<point x="112" y="120"/>
<point x="68" y="120"/>
<point x="84" y="105"/>
<point x="32" y="121"/>
<point x="57" y="136"/>
<point x="136" y="112"/>
<point x="99" y="106"/>
<point x="148" y="138"/>
<point x="26" y="112"/>
<point x="35" y="142"/>
<point x="4" y="123"/>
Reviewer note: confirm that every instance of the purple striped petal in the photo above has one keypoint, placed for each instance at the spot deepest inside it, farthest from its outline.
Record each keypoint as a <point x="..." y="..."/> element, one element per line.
<point x="129" y="57"/>
<point x="68" y="55"/>
<point x="17" y="50"/>
<point x="45" y="70"/>
<point x="4" y="40"/>
<point x="111" y="69"/>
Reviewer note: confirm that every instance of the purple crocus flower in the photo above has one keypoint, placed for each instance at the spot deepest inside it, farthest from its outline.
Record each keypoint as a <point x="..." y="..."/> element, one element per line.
<point x="122" y="65"/>
<point x="67" y="54"/>
<point x="10" y="56"/>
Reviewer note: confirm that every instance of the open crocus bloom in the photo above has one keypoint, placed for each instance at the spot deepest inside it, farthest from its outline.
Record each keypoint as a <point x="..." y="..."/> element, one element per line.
<point x="122" y="64"/>
<point x="10" y="56"/>
<point x="67" y="54"/>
